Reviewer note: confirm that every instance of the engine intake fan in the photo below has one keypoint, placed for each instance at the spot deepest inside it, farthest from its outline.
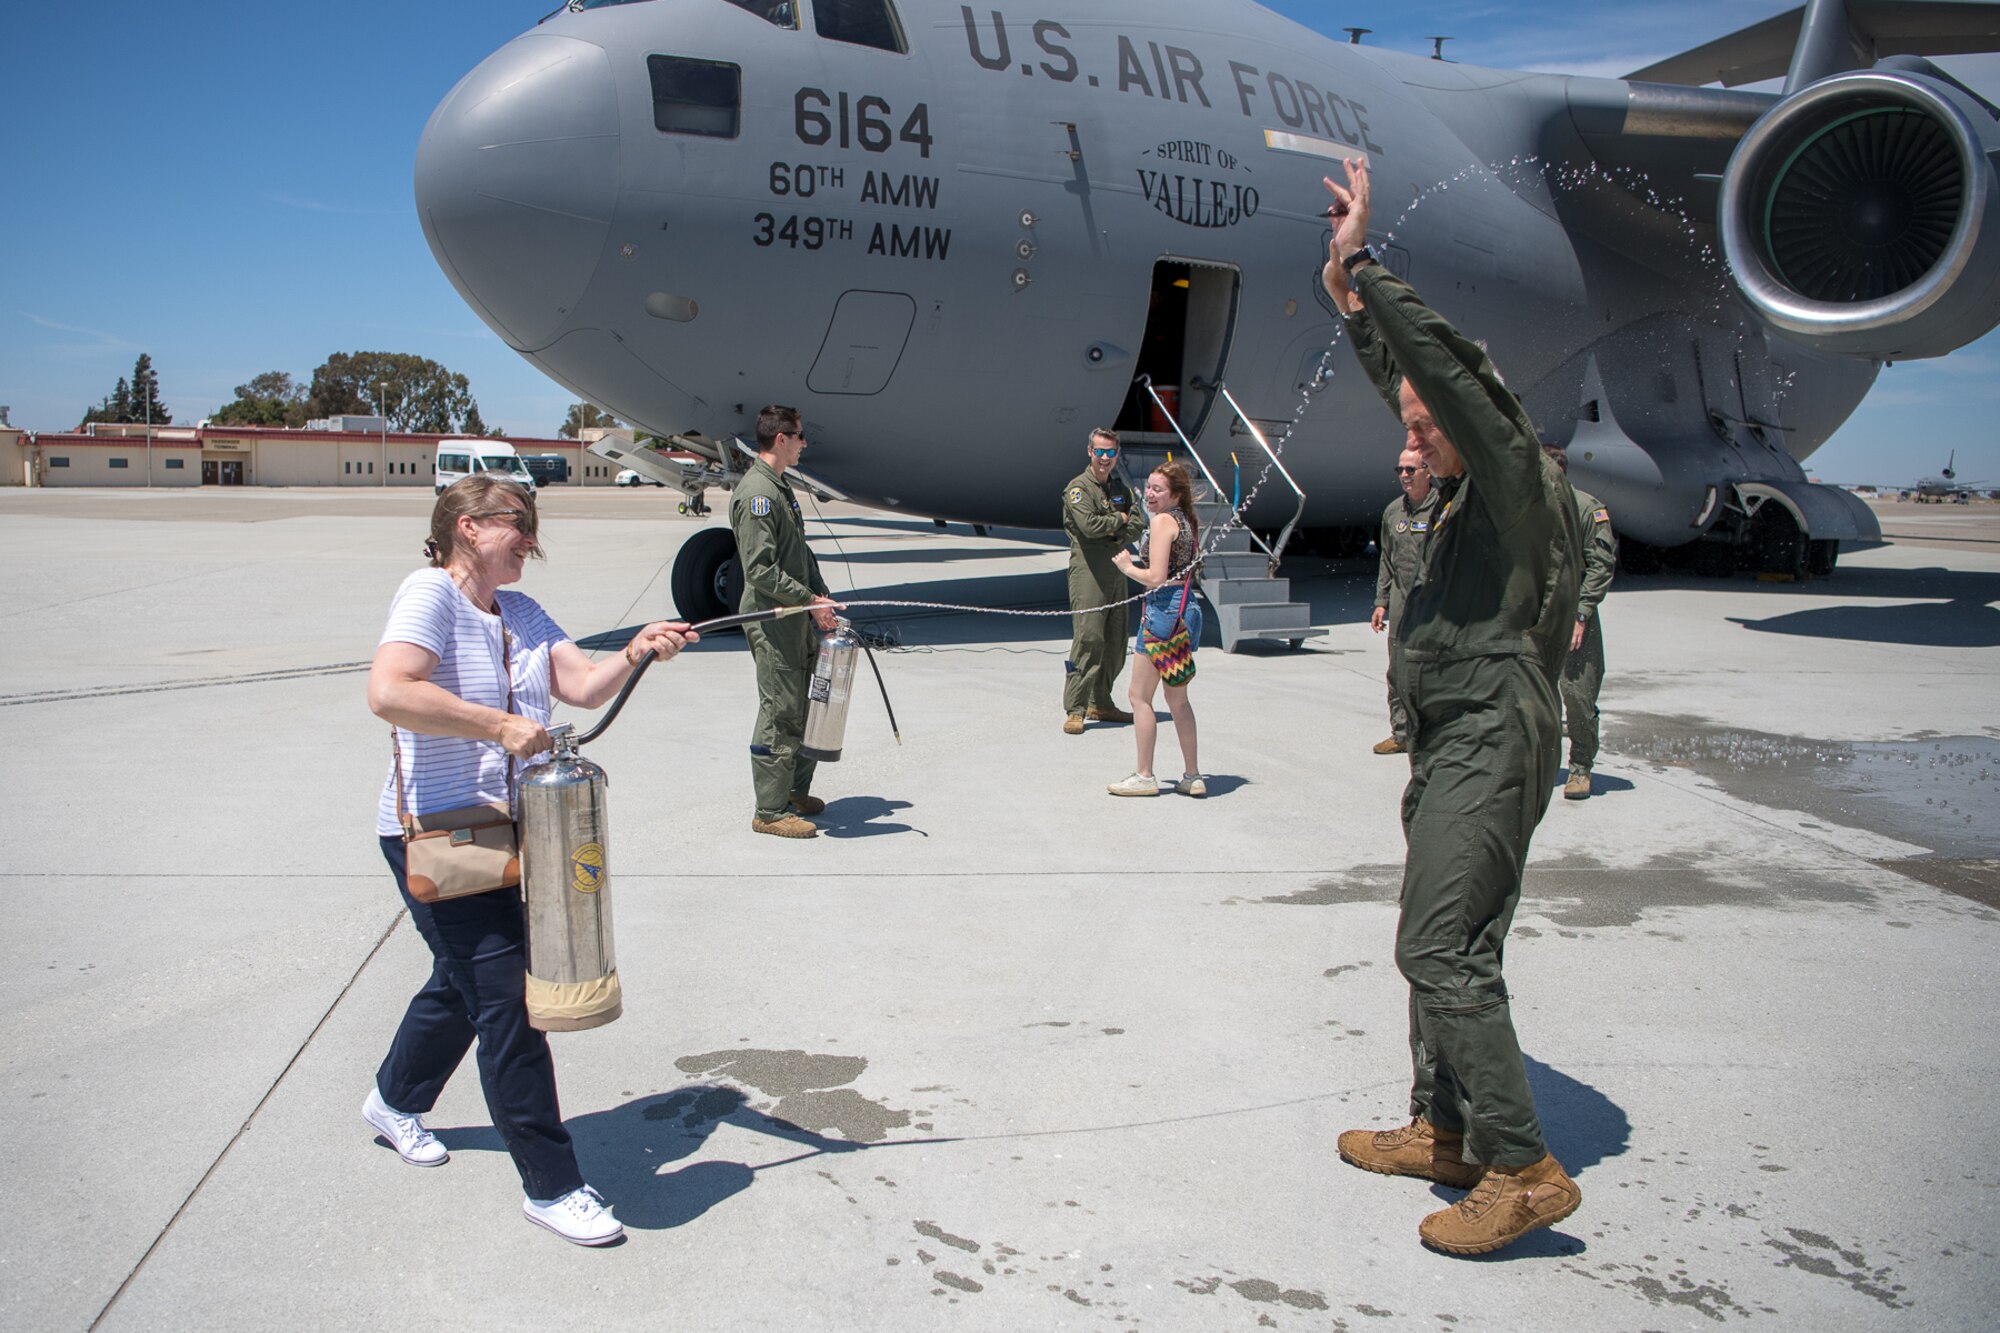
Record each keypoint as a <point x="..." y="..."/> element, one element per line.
<point x="1861" y="216"/>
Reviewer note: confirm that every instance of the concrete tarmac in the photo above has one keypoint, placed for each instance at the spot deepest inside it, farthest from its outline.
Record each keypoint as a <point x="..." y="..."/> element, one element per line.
<point x="998" y="1051"/>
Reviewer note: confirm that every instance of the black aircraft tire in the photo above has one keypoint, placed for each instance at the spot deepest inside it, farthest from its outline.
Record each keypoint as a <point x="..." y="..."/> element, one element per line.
<point x="707" y="576"/>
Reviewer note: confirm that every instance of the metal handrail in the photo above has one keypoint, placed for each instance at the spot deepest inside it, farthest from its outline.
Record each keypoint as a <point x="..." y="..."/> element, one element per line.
<point x="1146" y="382"/>
<point x="1277" y="552"/>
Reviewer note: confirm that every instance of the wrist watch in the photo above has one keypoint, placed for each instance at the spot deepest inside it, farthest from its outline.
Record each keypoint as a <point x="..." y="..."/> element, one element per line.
<point x="1365" y="255"/>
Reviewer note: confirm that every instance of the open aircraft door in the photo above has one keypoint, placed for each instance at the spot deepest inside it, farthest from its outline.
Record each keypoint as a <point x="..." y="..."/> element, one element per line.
<point x="1190" y="325"/>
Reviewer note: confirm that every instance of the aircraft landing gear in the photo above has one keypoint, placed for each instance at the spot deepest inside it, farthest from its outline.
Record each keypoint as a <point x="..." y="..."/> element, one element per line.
<point x="707" y="577"/>
<point x="1777" y="546"/>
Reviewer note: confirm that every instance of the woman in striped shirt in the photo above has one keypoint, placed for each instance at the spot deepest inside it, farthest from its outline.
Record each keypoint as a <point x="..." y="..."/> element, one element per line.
<point x="466" y="675"/>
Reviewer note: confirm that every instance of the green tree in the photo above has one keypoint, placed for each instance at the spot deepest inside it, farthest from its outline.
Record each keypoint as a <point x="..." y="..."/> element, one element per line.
<point x="417" y="393"/>
<point x="269" y="399"/>
<point x="133" y="401"/>
<point x="583" y="417"/>
<point x="476" y="424"/>
<point x="145" y="392"/>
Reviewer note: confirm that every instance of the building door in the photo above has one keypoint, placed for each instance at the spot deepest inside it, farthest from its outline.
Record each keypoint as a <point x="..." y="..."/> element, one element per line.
<point x="208" y="473"/>
<point x="232" y="472"/>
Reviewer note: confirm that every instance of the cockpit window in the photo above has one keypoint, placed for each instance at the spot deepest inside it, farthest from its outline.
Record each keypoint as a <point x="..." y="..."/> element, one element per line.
<point x="782" y="13"/>
<point x="696" y="96"/>
<point x="863" y="22"/>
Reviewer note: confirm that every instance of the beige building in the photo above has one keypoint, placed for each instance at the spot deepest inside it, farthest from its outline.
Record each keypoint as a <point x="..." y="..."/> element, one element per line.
<point x="128" y="455"/>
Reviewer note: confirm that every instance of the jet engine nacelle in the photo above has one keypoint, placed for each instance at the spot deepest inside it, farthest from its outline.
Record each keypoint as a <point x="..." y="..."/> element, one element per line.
<point x="1861" y="216"/>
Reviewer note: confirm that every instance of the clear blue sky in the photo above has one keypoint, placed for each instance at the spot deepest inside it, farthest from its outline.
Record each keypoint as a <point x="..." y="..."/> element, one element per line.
<point x="226" y="185"/>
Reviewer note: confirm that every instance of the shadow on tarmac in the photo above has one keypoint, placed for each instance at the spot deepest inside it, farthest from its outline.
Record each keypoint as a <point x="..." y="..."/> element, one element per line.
<point x="1958" y="624"/>
<point x="853" y="816"/>
<point x="1601" y="784"/>
<point x="628" y="1147"/>
<point x="1581" y="1124"/>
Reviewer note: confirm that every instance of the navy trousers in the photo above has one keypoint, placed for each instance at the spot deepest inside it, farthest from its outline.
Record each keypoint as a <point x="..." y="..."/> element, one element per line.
<point x="475" y="992"/>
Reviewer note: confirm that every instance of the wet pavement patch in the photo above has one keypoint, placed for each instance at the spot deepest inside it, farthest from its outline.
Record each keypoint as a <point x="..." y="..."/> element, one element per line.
<point x="1578" y="892"/>
<point x="1977" y="878"/>
<point x="808" y="1089"/>
<point x="1940" y="792"/>
<point x="1808" y="1251"/>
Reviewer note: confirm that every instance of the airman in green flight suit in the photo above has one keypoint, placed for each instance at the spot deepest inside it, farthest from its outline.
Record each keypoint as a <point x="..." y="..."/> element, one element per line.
<point x="1484" y="632"/>
<point x="1583" y="670"/>
<point x="1406" y="522"/>
<point x="779" y="570"/>
<point x="1100" y="518"/>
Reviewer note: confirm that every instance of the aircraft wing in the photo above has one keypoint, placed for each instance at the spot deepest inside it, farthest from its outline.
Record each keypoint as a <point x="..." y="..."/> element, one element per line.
<point x="1877" y="28"/>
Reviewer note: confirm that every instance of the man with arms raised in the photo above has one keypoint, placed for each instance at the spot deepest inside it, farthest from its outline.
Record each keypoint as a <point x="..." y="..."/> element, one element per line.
<point x="1485" y="627"/>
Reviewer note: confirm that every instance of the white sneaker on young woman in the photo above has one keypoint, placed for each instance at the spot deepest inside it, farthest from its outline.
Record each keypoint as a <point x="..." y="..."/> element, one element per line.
<point x="405" y="1133"/>
<point x="581" y="1216"/>
<point x="1135" y="785"/>
<point x="1190" y="784"/>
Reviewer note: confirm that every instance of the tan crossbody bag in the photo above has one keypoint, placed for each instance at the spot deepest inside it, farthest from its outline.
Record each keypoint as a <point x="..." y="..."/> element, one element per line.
<point x="473" y="849"/>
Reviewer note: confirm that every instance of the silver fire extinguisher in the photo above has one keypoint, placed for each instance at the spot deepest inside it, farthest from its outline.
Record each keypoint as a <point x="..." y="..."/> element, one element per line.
<point x="829" y="692"/>
<point x="566" y="881"/>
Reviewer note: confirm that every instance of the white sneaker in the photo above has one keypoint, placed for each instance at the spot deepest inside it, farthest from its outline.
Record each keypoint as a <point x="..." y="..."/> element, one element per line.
<point x="1135" y="785"/>
<point x="580" y="1216"/>
<point x="406" y="1133"/>
<point x="1191" y="784"/>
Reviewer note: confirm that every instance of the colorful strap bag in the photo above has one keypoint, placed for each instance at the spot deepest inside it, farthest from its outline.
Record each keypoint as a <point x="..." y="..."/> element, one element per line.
<point x="1173" y="656"/>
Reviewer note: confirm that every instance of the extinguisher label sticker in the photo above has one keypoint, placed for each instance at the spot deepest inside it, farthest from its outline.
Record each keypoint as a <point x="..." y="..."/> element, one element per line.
<point x="586" y="868"/>
<point x="820" y="690"/>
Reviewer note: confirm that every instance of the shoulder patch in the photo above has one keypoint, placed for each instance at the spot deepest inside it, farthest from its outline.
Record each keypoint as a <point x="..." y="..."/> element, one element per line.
<point x="760" y="505"/>
<point x="1075" y="495"/>
<point x="1600" y="515"/>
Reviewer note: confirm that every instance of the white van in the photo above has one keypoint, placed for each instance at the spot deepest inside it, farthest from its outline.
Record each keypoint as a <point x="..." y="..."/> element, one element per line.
<point x="464" y="458"/>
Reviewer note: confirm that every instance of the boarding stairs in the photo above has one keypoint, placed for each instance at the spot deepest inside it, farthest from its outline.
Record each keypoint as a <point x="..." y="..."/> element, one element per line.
<point x="1239" y="574"/>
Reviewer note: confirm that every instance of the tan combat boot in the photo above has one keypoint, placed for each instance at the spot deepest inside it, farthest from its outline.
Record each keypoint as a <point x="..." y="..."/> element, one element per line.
<point x="1416" y="1149"/>
<point x="807" y="805"/>
<point x="1506" y="1205"/>
<point x="1578" y="786"/>
<point x="1073" y="725"/>
<point x="789" y="826"/>
<point x="1106" y="713"/>
<point x="1390" y="746"/>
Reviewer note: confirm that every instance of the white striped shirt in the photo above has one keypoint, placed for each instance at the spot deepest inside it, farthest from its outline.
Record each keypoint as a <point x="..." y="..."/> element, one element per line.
<point x="449" y="772"/>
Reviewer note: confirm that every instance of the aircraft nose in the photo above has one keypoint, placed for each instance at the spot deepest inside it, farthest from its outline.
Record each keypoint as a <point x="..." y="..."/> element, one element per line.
<point x="517" y="179"/>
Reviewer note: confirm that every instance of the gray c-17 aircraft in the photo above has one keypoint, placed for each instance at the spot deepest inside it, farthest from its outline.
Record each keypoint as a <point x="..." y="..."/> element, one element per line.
<point x="958" y="236"/>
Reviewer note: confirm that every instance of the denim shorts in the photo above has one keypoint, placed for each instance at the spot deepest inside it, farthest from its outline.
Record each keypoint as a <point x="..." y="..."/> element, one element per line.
<point x="1156" y="613"/>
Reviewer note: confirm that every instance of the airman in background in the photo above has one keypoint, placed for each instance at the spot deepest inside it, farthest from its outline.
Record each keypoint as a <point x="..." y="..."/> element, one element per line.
<point x="1405" y="524"/>
<point x="779" y="570"/>
<point x="1100" y="518"/>
<point x="1583" y="669"/>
